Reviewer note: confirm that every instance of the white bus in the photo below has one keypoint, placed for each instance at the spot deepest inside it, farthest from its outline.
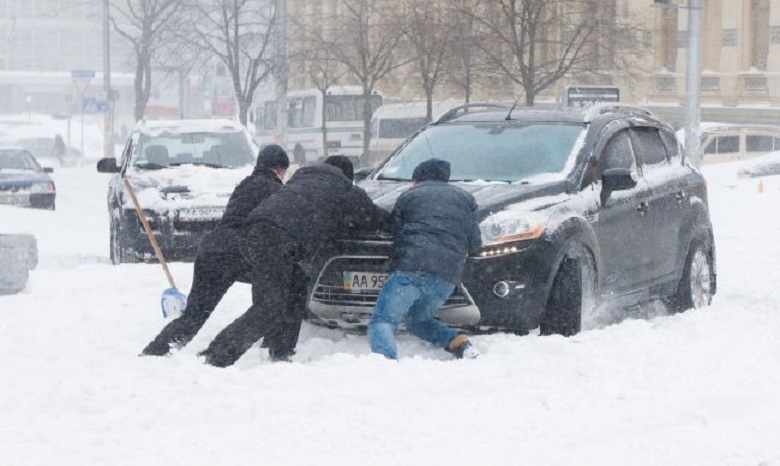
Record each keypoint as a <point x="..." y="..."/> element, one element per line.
<point x="392" y="124"/>
<point x="307" y="137"/>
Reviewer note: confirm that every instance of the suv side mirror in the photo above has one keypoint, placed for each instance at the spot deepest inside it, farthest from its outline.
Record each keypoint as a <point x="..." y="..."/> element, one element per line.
<point x="48" y="170"/>
<point x="617" y="179"/>
<point x="107" y="165"/>
<point x="363" y="173"/>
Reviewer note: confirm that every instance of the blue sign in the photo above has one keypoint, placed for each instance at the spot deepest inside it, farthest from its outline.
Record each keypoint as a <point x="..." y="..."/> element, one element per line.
<point x="82" y="73"/>
<point x="94" y="105"/>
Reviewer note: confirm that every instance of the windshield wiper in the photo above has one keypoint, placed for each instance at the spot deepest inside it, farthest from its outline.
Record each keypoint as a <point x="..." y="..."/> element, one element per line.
<point x="388" y="178"/>
<point x="200" y="164"/>
<point x="149" y="166"/>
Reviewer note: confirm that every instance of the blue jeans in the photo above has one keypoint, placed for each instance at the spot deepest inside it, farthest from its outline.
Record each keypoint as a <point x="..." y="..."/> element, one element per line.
<point x="415" y="298"/>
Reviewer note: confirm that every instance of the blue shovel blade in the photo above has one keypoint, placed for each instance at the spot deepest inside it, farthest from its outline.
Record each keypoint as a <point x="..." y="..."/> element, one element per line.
<point x="173" y="303"/>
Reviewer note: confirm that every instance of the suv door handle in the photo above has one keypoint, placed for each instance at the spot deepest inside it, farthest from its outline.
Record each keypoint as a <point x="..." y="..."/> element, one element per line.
<point x="643" y="207"/>
<point x="680" y="196"/>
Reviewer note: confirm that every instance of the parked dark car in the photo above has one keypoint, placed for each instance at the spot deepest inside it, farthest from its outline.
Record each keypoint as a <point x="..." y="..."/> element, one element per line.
<point x="582" y="210"/>
<point x="183" y="173"/>
<point x="23" y="181"/>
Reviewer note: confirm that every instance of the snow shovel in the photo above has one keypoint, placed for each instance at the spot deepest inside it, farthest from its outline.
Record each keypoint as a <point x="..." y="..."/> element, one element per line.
<point x="173" y="301"/>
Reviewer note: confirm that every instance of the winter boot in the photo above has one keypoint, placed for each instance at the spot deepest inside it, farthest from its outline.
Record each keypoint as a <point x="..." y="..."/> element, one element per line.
<point x="156" y="348"/>
<point x="281" y="355"/>
<point x="461" y="348"/>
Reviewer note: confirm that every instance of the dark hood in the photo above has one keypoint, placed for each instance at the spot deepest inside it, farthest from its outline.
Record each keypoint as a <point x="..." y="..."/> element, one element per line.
<point x="490" y="196"/>
<point x="270" y="157"/>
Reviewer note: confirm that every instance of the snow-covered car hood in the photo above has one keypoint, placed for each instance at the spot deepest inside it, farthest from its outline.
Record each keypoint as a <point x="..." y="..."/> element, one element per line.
<point x="185" y="186"/>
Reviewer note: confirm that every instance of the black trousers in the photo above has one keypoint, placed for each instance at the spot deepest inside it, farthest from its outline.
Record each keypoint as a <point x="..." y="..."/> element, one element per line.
<point x="277" y="282"/>
<point x="214" y="273"/>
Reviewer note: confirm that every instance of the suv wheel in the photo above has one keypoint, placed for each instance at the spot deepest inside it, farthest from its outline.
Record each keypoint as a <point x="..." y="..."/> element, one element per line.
<point x="572" y="296"/>
<point x="119" y="252"/>
<point x="696" y="284"/>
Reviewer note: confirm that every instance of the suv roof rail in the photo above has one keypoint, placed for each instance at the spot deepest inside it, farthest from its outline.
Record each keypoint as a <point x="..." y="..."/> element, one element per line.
<point x="605" y="107"/>
<point x="455" y="111"/>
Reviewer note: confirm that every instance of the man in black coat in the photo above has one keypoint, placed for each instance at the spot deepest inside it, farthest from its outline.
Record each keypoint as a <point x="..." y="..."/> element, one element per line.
<point x="436" y="229"/>
<point x="297" y="225"/>
<point x="219" y="263"/>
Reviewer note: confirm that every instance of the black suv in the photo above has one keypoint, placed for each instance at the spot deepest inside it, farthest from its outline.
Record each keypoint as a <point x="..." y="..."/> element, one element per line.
<point x="582" y="211"/>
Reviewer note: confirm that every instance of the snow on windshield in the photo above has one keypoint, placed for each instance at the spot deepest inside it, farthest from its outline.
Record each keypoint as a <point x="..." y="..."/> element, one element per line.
<point x="16" y="159"/>
<point x="216" y="149"/>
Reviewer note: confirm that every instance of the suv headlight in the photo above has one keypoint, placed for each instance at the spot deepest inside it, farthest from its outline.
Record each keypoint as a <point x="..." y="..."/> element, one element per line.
<point x="42" y="187"/>
<point x="509" y="226"/>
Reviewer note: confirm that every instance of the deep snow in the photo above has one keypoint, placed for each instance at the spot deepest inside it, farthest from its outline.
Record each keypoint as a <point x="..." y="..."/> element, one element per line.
<point x="698" y="388"/>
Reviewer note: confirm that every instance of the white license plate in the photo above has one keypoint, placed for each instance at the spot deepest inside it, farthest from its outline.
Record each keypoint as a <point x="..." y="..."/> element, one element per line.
<point x="201" y="214"/>
<point x="364" y="281"/>
<point x="15" y="198"/>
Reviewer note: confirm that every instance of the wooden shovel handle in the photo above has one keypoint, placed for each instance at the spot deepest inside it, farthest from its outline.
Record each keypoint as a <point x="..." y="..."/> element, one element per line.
<point x="148" y="230"/>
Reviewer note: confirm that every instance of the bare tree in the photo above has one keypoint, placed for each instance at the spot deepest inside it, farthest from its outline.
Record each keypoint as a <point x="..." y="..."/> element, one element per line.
<point x="465" y="63"/>
<point x="535" y="43"/>
<point x="145" y="24"/>
<point x="315" y="59"/>
<point x="239" y="33"/>
<point x="362" y="40"/>
<point x="431" y="31"/>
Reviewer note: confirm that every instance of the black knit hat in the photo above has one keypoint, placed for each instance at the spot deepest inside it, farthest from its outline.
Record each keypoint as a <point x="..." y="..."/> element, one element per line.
<point x="432" y="169"/>
<point x="273" y="156"/>
<point x="343" y="163"/>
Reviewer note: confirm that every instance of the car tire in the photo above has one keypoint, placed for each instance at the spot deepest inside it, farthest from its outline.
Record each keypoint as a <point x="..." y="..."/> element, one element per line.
<point x="572" y="295"/>
<point x="119" y="252"/>
<point x="697" y="283"/>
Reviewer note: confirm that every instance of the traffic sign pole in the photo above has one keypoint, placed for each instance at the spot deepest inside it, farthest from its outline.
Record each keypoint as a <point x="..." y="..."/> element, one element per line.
<point x="81" y="80"/>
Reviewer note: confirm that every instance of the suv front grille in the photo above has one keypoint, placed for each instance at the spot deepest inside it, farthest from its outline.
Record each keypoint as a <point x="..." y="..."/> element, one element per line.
<point x="330" y="290"/>
<point x="200" y="226"/>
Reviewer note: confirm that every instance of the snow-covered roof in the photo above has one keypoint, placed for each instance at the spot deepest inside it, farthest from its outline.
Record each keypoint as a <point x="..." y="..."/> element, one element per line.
<point x="188" y="126"/>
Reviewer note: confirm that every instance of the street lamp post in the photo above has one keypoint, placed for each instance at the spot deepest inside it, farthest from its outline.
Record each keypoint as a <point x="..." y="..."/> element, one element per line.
<point x="693" y="83"/>
<point x="108" y="116"/>
<point x="692" y="78"/>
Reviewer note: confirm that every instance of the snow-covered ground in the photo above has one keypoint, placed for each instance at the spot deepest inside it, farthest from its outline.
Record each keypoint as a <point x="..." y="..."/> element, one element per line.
<point x="699" y="388"/>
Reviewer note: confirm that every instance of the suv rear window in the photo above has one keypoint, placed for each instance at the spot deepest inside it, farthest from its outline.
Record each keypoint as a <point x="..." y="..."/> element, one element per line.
<point x="489" y="151"/>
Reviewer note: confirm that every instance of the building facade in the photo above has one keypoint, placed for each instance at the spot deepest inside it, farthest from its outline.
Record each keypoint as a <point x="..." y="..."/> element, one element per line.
<point x="740" y="60"/>
<point x="42" y="42"/>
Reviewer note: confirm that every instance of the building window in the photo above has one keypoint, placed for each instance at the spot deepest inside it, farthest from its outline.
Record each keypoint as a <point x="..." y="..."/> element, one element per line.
<point x="729" y="38"/>
<point x="759" y="33"/>
<point x="669" y="38"/>
<point x="710" y="83"/>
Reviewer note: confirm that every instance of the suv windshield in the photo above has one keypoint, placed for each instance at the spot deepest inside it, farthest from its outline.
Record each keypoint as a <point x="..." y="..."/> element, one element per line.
<point x="488" y="151"/>
<point x="218" y="149"/>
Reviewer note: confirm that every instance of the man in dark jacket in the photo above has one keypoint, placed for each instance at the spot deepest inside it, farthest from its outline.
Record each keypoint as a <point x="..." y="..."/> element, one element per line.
<point x="316" y="207"/>
<point x="436" y="228"/>
<point x="219" y="263"/>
